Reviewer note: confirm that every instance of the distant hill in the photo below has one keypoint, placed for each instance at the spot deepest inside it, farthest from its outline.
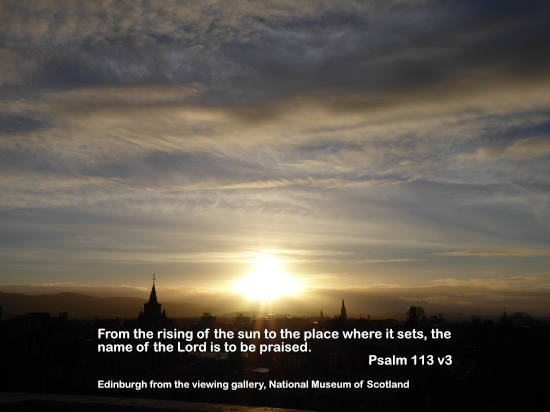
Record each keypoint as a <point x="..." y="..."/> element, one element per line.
<point x="87" y="307"/>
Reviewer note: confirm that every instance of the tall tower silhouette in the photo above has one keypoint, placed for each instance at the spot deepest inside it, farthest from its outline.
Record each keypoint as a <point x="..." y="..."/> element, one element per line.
<point x="151" y="317"/>
<point x="343" y="314"/>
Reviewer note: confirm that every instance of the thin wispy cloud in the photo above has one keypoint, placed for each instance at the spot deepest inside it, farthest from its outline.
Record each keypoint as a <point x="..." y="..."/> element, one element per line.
<point x="520" y="150"/>
<point x="390" y="260"/>
<point x="504" y="252"/>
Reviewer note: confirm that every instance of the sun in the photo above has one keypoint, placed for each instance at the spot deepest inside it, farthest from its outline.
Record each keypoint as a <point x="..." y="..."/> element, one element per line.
<point x="268" y="282"/>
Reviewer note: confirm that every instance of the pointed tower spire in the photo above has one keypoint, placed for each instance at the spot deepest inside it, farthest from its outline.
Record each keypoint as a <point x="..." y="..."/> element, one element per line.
<point x="343" y="314"/>
<point x="152" y="315"/>
<point x="153" y="296"/>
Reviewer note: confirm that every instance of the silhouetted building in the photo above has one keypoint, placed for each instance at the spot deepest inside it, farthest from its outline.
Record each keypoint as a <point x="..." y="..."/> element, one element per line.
<point x="343" y="314"/>
<point x="38" y="318"/>
<point x="151" y="317"/>
<point x="207" y="319"/>
<point x="241" y="319"/>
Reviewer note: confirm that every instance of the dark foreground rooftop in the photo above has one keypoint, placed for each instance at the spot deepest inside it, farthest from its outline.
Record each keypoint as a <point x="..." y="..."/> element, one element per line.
<point x="19" y="402"/>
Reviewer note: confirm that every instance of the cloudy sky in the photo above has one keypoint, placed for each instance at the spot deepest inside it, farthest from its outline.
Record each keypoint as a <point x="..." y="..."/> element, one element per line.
<point x="395" y="150"/>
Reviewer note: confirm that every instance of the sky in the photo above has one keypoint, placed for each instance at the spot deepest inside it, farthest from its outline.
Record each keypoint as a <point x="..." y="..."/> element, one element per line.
<point x="393" y="153"/>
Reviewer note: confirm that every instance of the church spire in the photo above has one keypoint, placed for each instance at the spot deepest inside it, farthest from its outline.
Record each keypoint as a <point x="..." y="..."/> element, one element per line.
<point x="152" y="315"/>
<point x="153" y="296"/>
<point x="343" y="314"/>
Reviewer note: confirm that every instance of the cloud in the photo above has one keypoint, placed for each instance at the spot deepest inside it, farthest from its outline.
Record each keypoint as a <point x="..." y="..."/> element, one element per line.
<point x="17" y="124"/>
<point x="504" y="252"/>
<point x="115" y="96"/>
<point x="511" y="282"/>
<point x="90" y="42"/>
<point x="363" y="128"/>
<point x="520" y="150"/>
<point x="187" y="23"/>
<point x="254" y="50"/>
<point x="272" y="184"/>
<point x="391" y="260"/>
<point x="13" y="66"/>
<point x="107" y="125"/>
<point x="54" y="190"/>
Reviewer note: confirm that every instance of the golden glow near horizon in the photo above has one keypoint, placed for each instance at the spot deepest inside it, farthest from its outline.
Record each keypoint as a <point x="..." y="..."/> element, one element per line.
<point x="268" y="282"/>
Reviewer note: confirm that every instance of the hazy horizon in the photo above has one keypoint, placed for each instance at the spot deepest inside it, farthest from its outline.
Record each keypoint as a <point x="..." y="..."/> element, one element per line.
<point x="375" y="302"/>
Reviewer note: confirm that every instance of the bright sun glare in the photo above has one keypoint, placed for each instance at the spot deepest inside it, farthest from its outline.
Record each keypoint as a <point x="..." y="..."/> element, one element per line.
<point x="268" y="282"/>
